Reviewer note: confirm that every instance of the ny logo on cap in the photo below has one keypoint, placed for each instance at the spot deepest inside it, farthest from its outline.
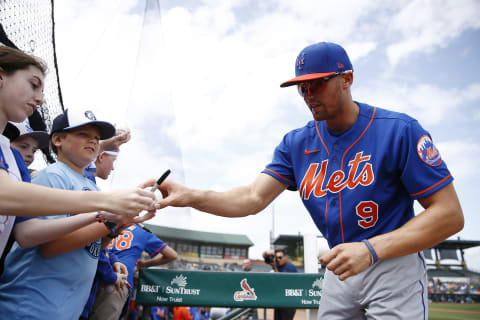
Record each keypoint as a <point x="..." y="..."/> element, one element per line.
<point x="300" y="61"/>
<point x="89" y="114"/>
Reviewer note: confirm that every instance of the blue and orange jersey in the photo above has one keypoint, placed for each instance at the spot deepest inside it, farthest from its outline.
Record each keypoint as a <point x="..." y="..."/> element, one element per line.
<point x="130" y="244"/>
<point x="363" y="181"/>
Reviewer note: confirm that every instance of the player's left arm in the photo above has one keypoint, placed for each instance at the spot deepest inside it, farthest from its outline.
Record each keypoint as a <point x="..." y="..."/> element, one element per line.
<point x="441" y="218"/>
<point x="167" y="255"/>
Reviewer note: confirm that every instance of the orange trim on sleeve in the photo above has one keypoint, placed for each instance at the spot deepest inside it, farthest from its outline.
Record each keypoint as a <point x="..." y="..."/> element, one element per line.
<point x="163" y="246"/>
<point x="279" y="175"/>
<point x="430" y="188"/>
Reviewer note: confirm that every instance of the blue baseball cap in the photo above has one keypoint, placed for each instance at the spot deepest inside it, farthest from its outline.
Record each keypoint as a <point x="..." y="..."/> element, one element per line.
<point x="319" y="60"/>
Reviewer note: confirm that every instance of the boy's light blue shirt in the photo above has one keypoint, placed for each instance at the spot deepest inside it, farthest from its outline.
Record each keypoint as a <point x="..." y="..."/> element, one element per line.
<point x="34" y="287"/>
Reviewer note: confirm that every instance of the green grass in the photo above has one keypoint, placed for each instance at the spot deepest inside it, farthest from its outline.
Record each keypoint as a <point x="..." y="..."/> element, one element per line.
<point x="455" y="311"/>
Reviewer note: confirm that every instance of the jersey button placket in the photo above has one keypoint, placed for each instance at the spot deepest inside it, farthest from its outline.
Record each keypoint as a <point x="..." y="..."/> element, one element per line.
<point x="334" y="165"/>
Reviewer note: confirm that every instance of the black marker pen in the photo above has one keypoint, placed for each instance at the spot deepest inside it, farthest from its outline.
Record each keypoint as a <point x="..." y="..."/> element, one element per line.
<point x="155" y="186"/>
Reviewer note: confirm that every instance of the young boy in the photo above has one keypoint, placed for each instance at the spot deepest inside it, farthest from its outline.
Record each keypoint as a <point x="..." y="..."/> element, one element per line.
<point x="28" y="141"/>
<point x="58" y="287"/>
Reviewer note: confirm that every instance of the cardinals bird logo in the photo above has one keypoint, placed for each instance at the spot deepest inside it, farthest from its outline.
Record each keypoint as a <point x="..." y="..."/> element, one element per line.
<point x="247" y="293"/>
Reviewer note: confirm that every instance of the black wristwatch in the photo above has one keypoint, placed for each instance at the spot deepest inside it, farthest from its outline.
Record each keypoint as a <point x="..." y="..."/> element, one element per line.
<point x="112" y="226"/>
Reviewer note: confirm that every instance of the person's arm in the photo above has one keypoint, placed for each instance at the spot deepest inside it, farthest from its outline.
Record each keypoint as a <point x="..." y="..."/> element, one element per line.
<point x="121" y="136"/>
<point x="167" y="255"/>
<point x="441" y="218"/>
<point x="75" y="240"/>
<point x="33" y="232"/>
<point x="83" y="236"/>
<point x="44" y="201"/>
<point x="237" y="202"/>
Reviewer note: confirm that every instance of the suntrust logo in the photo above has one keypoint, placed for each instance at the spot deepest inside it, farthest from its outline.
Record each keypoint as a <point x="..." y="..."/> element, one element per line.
<point x="180" y="282"/>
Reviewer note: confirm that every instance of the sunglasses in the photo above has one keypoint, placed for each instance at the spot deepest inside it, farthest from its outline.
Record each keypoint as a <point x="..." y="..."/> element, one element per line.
<point x="312" y="86"/>
<point x="279" y="257"/>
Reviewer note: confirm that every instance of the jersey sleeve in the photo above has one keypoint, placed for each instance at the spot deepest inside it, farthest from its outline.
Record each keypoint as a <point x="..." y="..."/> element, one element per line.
<point x="424" y="172"/>
<point x="22" y="168"/>
<point x="105" y="270"/>
<point x="281" y="167"/>
<point x="113" y="257"/>
<point x="3" y="162"/>
<point x="154" y="245"/>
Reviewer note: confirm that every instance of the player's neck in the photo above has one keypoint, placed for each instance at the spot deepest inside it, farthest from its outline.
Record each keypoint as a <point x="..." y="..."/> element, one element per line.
<point x="344" y="120"/>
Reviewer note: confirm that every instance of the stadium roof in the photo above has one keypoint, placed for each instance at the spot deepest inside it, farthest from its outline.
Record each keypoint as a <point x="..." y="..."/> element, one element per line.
<point x="452" y="273"/>
<point x="200" y="236"/>
<point x="457" y="244"/>
<point x="289" y="240"/>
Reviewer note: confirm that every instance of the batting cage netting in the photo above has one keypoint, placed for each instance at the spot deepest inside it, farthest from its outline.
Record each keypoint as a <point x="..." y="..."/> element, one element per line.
<point x="28" y="25"/>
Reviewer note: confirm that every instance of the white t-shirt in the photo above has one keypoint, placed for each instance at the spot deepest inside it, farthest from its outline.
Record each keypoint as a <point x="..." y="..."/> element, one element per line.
<point x="8" y="163"/>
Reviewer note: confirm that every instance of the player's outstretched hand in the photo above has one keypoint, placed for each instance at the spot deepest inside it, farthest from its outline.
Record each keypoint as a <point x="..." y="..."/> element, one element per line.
<point x="174" y="195"/>
<point x="347" y="259"/>
<point x="131" y="201"/>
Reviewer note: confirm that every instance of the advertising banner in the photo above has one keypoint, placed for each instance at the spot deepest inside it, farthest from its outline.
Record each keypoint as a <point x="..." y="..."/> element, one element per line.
<point x="229" y="289"/>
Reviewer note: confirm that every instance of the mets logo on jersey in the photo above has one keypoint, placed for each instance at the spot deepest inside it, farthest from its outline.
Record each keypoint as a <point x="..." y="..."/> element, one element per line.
<point x="316" y="181"/>
<point x="427" y="152"/>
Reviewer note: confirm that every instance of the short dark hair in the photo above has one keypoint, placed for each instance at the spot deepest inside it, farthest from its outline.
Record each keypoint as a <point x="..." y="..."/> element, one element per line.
<point x="282" y="251"/>
<point x="52" y="146"/>
<point x="12" y="60"/>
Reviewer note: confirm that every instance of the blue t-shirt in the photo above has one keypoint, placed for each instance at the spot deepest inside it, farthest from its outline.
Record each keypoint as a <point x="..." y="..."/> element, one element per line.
<point x="289" y="267"/>
<point x="50" y="288"/>
<point x="12" y="162"/>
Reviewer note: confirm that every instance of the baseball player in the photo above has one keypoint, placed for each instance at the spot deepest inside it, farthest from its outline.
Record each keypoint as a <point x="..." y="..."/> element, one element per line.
<point x="358" y="169"/>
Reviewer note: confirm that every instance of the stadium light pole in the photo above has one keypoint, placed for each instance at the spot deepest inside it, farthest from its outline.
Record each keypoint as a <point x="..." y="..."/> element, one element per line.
<point x="272" y="231"/>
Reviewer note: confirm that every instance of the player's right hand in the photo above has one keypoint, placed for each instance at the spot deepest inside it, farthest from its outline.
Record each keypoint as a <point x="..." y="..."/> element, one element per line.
<point x="130" y="201"/>
<point x="174" y="195"/>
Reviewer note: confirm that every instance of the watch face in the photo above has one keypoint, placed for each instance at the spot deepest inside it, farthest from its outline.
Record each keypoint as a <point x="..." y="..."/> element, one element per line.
<point x="110" y="225"/>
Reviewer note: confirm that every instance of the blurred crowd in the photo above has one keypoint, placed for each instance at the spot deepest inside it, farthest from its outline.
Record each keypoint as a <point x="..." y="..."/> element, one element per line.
<point x="456" y="292"/>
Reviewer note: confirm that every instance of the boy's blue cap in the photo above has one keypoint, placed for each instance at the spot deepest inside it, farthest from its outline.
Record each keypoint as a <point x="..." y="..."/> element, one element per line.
<point x="319" y="60"/>
<point x="74" y="119"/>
